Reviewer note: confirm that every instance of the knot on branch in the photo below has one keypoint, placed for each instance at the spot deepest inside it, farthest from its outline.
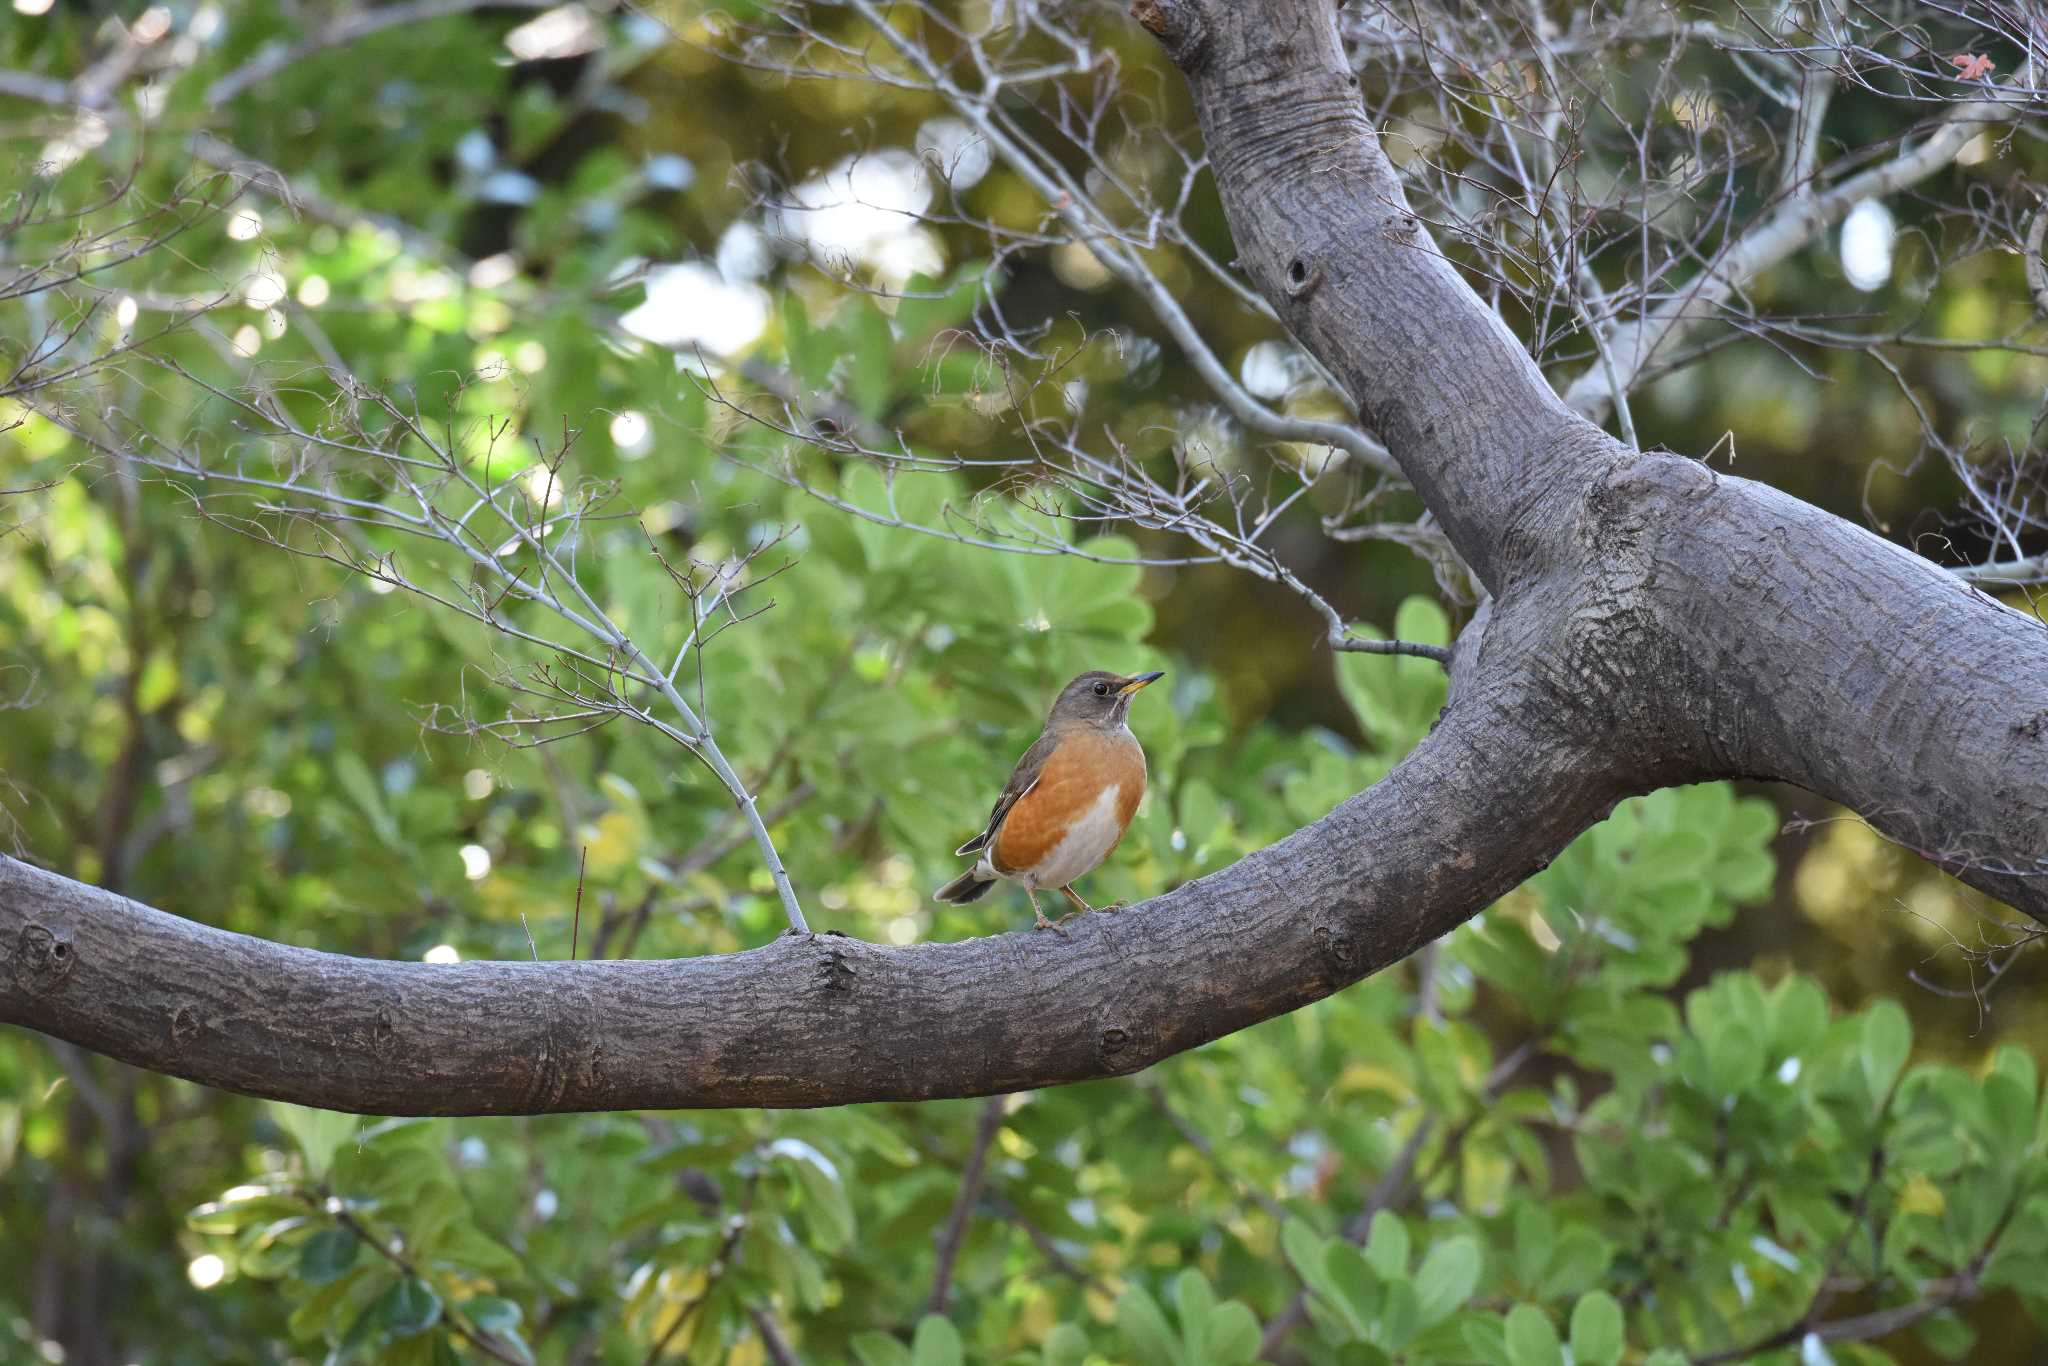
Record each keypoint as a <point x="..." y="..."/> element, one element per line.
<point x="1338" y="952"/>
<point x="835" y="974"/>
<point x="1121" y="1045"/>
<point x="384" y="1033"/>
<point x="42" y="960"/>
<point x="184" y="1024"/>
<point x="1179" y="29"/>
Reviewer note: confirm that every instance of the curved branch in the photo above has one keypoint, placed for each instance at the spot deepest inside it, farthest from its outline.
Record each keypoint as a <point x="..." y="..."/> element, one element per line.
<point x="817" y="1019"/>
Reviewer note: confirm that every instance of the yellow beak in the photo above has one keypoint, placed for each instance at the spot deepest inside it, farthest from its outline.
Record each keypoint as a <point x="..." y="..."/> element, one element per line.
<point x="1133" y="684"/>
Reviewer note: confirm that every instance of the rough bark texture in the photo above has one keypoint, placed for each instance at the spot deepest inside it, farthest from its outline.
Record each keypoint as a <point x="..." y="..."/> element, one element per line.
<point x="1651" y="622"/>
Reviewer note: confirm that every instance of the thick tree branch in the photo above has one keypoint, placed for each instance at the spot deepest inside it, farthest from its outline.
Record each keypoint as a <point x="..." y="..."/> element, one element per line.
<point x="821" y="1019"/>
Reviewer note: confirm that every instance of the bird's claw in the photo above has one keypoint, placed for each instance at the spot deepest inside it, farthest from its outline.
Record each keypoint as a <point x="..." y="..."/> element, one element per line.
<point x="1053" y="925"/>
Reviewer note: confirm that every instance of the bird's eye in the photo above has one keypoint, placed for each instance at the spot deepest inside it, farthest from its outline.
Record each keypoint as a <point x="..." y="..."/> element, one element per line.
<point x="1102" y="689"/>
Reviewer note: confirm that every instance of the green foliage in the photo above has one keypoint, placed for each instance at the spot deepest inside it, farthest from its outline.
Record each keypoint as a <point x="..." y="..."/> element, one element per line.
<point x="1565" y="1151"/>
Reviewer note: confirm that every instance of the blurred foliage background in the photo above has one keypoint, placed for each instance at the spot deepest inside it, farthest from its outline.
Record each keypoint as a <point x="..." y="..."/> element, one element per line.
<point x="1614" y="1113"/>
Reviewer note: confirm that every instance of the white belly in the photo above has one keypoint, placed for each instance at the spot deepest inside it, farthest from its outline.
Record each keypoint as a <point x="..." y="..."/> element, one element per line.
<point x="1088" y="842"/>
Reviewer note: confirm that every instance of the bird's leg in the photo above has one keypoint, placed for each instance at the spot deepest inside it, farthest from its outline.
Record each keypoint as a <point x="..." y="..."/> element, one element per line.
<point x="1081" y="907"/>
<point x="1043" y="923"/>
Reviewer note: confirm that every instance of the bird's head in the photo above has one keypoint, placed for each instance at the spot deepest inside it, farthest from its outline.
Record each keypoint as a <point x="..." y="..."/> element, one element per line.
<point x="1098" y="699"/>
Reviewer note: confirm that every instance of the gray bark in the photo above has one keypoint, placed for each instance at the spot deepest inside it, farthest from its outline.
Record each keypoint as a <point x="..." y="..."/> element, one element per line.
<point x="1651" y="622"/>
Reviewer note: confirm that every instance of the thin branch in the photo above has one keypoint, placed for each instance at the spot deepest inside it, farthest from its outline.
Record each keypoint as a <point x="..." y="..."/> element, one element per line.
<point x="1774" y="239"/>
<point x="953" y="1234"/>
<point x="1071" y="203"/>
<point x="773" y="1340"/>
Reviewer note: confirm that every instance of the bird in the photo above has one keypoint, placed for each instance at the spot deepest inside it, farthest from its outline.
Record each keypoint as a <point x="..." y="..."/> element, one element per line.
<point x="1068" y="801"/>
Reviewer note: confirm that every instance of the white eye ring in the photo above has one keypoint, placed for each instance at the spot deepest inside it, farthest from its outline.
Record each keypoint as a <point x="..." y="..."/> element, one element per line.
<point x="1101" y="689"/>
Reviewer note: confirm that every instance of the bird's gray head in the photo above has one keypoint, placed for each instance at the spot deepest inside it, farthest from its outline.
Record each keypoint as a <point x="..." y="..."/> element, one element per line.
<point x="1097" y="698"/>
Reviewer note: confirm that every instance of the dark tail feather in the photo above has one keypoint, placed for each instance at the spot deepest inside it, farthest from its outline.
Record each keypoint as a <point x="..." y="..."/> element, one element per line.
<point x="969" y="886"/>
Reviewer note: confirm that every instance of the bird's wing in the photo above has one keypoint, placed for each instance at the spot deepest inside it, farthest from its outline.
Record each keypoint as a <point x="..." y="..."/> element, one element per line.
<point x="1023" y="778"/>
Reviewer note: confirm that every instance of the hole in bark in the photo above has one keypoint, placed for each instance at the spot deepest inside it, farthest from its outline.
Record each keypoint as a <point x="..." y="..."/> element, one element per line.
<point x="1302" y="279"/>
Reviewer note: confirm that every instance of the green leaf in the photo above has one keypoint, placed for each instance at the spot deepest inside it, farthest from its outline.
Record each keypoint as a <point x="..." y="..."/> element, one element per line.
<point x="1233" y="1335"/>
<point x="824" y="1195"/>
<point x="1735" y="1059"/>
<point x="1449" y="1275"/>
<point x="328" y="1255"/>
<point x="870" y="352"/>
<point x="1395" y="697"/>
<point x="1531" y="1341"/>
<point x="937" y="1342"/>
<point x="1145" y="1328"/>
<point x="1580" y="1260"/>
<point x="1194" y="1301"/>
<point x="466" y="1246"/>
<point x="1400" y="1317"/>
<point x="492" y="1314"/>
<point x="2009" y="1115"/>
<point x="318" y="1315"/>
<point x="1358" y="1290"/>
<point x="1534" y="1234"/>
<point x="410" y="1307"/>
<point x="1386" y="1247"/>
<point x="1799" y="1015"/>
<point x="1597" y="1330"/>
<point x="1065" y="1345"/>
<point x="1486" y="1340"/>
<point x="1312" y="1256"/>
<point x="879" y="1349"/>
<point x="2014" y="1062"/>
<point x="319" y="1133"/>
<point x="1887" y="1042"/>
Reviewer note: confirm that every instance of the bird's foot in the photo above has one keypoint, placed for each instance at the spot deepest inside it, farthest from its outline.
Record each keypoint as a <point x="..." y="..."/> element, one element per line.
<point x="1053" y="925"/>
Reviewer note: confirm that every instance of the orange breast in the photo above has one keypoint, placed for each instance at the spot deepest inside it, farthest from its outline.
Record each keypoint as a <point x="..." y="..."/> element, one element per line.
<point x="1071" y="782"/>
